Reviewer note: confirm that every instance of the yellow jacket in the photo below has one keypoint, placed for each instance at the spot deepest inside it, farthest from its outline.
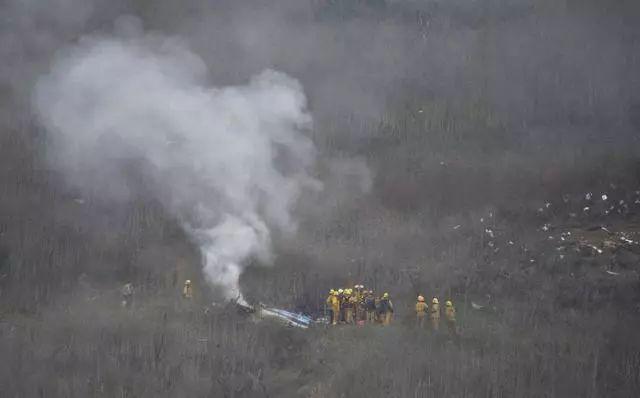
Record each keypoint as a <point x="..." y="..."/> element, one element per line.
<point x="333" y="301"/>
<point x="450" y="313"/>
<point x="421" y="308"/>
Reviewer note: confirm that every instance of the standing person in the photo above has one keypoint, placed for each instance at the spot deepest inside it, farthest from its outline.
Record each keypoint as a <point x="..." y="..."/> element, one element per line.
<point x="341" y="305"/>
<point x="359" y="299"/>
<point x="421" y="312"/>
<point x="334" y="303"/>
<point x="353" y="304"/>
<point x="386" y="309"/>
<point x="328" y="302"/>
<point x="370" y="307"/>
<point x="348" y="306"/>
<point x="187" y="290"/>
<point x="434" y="315"/>
<point x="450" y="315"/>
<point x="127" y="295"/>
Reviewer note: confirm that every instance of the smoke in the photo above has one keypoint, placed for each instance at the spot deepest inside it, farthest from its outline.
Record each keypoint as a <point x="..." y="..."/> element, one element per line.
<point x="228" y="162"/>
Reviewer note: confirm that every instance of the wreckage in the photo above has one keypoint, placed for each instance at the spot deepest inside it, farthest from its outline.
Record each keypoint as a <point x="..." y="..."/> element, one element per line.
<point x="287" y="318"/>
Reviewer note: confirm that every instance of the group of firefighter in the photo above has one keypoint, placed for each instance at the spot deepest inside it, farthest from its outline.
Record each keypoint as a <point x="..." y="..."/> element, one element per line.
<point x="359" y="306"/>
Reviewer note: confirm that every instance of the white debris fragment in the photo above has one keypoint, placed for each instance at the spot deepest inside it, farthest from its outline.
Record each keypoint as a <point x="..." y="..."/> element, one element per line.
<point x="612" y="273"/>
<point x="540" y="210"/>
<point x="588" y="196"/>
<point x="457" y="226"/>
<point x="547" y="205"/>
<point x="550" y="237"/>
<point x="597" y="249"/>
<point x="586" y="209"/>
<point x="482" y="220"/>
<point x="604" y="197"/>
<point x="627" y="240"/>
<point x="562" y="257"/>
<point x="476" y="306"/>
<point x="510" y="242"/>
<point x="572" y="215"/>
<point x="489" y="232"/>
<point x="545" y="227"/>
<point x="490" y="244"/>
<point x="79" y="201"/>
<point x="605" y="230"/>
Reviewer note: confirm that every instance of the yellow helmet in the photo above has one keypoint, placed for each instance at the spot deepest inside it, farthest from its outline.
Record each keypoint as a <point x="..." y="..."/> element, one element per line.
<point x="385" y="295"/>
<point x="348" y="292"/>
<point x="449" y="303"/>
<point x="340" y="291"/>
<point x="331" y="291"/>
<point x="435" y="300"/>
<point x="420" y="298"/>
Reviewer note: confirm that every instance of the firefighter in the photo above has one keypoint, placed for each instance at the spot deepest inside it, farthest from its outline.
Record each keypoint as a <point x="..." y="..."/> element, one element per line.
<point x="370" y="306"/>
<point x="334" y="304"/>
<point x="354" y="304"/>
<point x="386" y="309"/>
<point x="434" y="314"/>
<point x="348" y="306"/>
<point x="359" y="298"/>
<point x="187" y="290"/>
<point x="450" y="315"/>
<point x="341" y="305"/>
<point x="127" y="295"/>
<point x="421" y="312"/>
<point x="328" y="301"/>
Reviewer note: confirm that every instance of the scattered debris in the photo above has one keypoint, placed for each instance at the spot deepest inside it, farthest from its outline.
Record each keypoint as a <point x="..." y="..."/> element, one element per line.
<point x="79" y="201"/>
<point x="604" y="197"/>
<point x="476" y="306"/>
<point x="457" y="226"/>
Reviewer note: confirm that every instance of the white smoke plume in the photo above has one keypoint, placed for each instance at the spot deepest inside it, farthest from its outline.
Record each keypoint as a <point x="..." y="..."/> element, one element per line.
<point x="229" y="162"/>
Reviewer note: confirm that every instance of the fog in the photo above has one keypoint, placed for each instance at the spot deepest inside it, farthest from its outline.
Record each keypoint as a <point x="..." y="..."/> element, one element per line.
<point x="271" y="151"/>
